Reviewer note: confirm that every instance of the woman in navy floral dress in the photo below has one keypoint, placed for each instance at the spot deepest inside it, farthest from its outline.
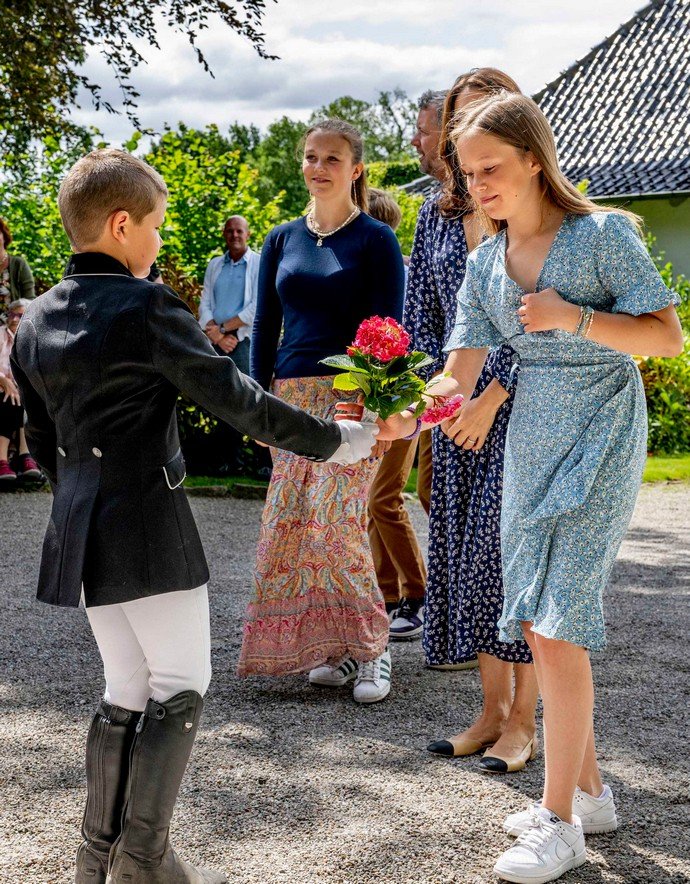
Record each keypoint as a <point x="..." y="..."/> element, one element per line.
<point x="464" y="590"/>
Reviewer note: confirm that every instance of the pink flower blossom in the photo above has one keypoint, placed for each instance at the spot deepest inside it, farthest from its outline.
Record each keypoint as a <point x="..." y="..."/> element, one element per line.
<point x="445" y="409"/>
<point x="384" y="339"/>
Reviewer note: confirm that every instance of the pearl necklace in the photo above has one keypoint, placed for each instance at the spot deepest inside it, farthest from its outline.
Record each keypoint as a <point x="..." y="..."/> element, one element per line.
<point x="321" y="234"/>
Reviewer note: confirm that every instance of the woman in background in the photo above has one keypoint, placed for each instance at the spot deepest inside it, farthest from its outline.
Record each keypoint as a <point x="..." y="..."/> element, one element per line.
<point x="464" y="588"/>
<point x="16" y="279"/>
<point x="11" y="411"/>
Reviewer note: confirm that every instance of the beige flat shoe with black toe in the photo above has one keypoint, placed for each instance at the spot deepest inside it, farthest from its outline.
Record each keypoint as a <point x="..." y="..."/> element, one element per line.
<point x="496" y="765"/>
<point x="457" y="746"/>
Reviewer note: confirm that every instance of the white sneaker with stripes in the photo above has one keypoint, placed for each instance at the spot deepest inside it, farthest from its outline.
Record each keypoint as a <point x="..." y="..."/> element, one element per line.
<point x="373" y="680"/>
<point x="334" y="676"/>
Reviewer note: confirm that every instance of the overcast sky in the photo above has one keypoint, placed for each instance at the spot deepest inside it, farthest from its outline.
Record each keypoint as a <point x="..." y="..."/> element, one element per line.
<point x="358" y="48"/>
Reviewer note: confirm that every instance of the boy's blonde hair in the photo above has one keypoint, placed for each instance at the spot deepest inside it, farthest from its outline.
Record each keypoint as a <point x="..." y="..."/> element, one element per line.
<point x="384" y="208"/>
<point x="103" y="182"/>
<point x="517" y="120"/>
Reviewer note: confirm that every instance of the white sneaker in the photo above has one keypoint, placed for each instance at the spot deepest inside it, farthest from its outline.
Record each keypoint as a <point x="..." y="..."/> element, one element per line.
<point x="373" y="680"/>
<point x="334" y="676"/>
<point x="543" y="852"/>
<point x="597" y="815"/>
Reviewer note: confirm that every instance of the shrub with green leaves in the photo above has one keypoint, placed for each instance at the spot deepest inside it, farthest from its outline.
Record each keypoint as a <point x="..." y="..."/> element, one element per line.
<point x="206" y="184"/>
<point x="393" y="173"/>
<point x="667" y="381"/>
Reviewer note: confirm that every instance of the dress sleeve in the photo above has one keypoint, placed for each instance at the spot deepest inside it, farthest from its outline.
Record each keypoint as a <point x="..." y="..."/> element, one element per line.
<point x="473" y="328"/>
<point x="503" y="368"/>
<point x="387" y="274"/>
<point x="423" y="314"/>
<point x="181" y="353"/>
<point x="27" y="288"/>
<point x="627" y="271"/>
<point x="268" y="319"/>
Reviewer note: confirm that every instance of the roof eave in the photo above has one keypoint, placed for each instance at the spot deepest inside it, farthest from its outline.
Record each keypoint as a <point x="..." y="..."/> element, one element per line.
<point x="661" y="194"/>
<point x="592" y="52"/>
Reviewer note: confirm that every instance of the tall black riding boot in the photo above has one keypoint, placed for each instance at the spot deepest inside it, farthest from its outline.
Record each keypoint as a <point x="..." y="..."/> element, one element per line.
<point x="142" y="854"/>
<point x="108" y="746"/>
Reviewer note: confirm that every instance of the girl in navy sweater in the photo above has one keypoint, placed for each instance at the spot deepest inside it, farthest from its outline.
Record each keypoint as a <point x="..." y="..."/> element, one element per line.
<point x="317" y="606"/>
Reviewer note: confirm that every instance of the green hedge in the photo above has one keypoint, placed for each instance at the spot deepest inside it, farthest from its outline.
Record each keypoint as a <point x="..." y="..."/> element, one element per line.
<point x="667" y="381"/>
<point x="207" y="184"/>
<point x="393" y="174"/>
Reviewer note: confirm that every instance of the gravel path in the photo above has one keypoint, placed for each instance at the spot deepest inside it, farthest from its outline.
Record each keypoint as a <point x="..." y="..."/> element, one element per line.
<point x="292" y="784"/>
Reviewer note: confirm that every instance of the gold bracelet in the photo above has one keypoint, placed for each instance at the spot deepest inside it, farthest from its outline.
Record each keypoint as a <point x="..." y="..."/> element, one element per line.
<point x="588" y="327"/>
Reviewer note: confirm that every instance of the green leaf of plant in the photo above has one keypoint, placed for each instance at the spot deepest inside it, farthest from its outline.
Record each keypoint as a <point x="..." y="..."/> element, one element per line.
<point x="345" y="382"/>
<point x="338" y="362"/>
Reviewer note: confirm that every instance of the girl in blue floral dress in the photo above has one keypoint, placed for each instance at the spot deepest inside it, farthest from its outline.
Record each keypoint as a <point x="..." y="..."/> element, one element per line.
<point x="573" y="289"/>
<point x="464" y="594"/>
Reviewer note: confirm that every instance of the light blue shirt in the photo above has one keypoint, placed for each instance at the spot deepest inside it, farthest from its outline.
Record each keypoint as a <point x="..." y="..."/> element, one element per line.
<point x="228" y="289"/>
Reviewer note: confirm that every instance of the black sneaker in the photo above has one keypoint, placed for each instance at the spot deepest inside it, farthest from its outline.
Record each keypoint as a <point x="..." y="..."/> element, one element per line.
<point x="408" y="621"/>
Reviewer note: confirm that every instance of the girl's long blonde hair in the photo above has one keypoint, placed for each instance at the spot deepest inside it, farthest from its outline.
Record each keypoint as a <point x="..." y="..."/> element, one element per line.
<point x="517" y="120"/>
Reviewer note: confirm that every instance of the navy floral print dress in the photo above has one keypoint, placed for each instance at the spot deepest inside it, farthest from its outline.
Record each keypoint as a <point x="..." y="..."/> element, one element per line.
<point x="464" y="594"/>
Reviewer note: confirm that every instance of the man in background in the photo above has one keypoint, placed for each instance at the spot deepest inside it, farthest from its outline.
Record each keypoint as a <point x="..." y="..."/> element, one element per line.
<point x="228" y="299"/>
<point x="226" y="314"/>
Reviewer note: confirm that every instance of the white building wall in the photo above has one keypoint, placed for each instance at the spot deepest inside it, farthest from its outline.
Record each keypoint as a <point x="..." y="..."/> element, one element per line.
<point x="669" y="220"/>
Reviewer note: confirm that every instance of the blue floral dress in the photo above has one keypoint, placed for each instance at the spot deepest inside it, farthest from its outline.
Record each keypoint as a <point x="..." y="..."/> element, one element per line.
<point x="464" y="593"/>
<point x="576" y="443"/>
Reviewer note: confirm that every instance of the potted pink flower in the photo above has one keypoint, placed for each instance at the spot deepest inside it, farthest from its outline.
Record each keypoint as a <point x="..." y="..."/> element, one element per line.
<point x="380" y="364"/>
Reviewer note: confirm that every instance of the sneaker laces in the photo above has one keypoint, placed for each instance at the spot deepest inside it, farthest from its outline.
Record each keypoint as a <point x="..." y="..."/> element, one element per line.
<point x="538" y="836"/>
<point x="406" y="610"/>
<point x="370" y="671"/>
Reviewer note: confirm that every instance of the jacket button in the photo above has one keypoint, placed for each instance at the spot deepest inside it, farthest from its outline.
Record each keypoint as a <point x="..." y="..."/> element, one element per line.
<point x="97" y="452"/>
<point x="61" y="451"/>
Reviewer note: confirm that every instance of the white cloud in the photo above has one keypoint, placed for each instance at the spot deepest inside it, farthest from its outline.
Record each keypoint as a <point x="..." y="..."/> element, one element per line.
<point x="356" y="48"/>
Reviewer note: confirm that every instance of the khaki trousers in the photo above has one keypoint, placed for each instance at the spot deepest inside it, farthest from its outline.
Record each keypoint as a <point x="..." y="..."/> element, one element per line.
<point x="398" y="560"/>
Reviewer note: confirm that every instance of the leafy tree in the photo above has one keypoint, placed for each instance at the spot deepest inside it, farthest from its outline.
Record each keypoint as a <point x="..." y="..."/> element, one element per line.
<point x="28" y="196"/>
<point x="206" y="181"/>
<point x="279" y="163"/>
<point x="44" y="42"/>
<point x="387" y="125"/>
<point x="410" y="204"/>
<point x="205" y="186"/>
<point x="393" y="174"/>
<point x="245" y="140"/>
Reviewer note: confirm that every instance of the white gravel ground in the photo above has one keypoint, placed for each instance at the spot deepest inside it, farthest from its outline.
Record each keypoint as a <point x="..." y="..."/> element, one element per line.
<point x="296" y="785"/>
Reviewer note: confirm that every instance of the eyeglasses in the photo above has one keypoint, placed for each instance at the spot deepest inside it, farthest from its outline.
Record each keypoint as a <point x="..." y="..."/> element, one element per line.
<point x="14" y="315"/>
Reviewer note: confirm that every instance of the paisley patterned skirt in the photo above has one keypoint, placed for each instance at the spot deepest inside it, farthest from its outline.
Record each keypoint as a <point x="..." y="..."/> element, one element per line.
<point x="316" y="596"/>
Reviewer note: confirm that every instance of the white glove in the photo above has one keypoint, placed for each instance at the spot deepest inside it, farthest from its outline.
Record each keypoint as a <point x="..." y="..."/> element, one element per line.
<point x="358" y="438"/>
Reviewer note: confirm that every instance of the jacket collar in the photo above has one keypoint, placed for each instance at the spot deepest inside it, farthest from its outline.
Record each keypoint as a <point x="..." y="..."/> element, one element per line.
<point x="243" y="260"/>
<point x="95" y="264"/>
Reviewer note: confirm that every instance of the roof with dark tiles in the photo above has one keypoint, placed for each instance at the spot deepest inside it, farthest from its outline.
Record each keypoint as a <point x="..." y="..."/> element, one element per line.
<point x="621" y="114"/>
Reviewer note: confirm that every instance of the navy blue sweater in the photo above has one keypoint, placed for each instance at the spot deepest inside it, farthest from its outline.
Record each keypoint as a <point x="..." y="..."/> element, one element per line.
<point x="319" y="295"/>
